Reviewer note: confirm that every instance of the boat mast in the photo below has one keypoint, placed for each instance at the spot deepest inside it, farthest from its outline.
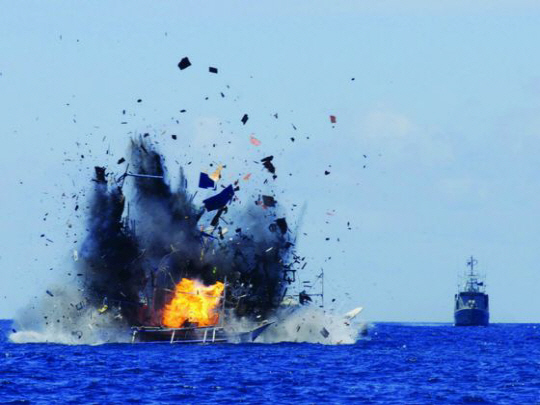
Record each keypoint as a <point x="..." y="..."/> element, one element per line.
<point x="472" y="283"/>
<point x="322" y="287"/>
<point x="472" y="261"/>
<point x="222" y="315"/>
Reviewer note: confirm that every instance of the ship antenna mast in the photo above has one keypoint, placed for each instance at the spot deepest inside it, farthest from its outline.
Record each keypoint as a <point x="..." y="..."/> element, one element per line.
<point x="472" y="280"/>
<point x="471" y="263"/>
<point x="322" y="287"/>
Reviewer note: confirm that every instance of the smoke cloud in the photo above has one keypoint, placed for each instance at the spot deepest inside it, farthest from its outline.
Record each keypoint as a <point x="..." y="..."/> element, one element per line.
<point x="137" y="250"/>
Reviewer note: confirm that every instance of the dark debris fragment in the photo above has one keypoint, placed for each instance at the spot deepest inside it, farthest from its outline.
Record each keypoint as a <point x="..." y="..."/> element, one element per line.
<point x="219" y="200"/>
<point x="282" y="225"/>
<point x="205" y="181"/>
<point x="100" y="174"/>
<point x="215" y="220"/>
<point x="184" y="63"/>
<point x="269" y="201"/>
<point x="325" y="333"/>
<point x="267" y="163"/>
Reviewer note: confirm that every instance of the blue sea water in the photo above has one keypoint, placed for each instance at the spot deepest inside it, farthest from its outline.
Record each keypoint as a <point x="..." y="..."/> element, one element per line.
<point x="396" y="364"/>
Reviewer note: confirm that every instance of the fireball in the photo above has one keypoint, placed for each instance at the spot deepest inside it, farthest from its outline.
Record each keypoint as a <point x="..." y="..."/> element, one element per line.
<point x="193" y="303"/>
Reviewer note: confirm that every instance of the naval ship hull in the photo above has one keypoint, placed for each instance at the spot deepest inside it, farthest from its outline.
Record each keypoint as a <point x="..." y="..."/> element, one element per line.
<point x="471" y="317"/>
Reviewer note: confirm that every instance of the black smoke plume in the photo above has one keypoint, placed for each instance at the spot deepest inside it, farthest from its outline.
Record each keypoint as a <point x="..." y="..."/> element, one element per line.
<point x="137" y="250"/>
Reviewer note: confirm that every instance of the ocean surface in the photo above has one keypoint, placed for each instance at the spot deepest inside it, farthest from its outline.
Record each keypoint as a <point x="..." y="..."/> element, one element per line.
<point x="396" y="364"/>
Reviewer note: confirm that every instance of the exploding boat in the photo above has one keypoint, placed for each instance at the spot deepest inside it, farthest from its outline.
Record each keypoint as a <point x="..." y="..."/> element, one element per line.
<point x="196" y="314"/>
<point x="472" y="302"/>
<point x="161" y="263"/>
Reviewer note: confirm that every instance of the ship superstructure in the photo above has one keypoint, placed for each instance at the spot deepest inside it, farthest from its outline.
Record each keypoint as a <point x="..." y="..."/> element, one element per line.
<point x="471" y="302"/>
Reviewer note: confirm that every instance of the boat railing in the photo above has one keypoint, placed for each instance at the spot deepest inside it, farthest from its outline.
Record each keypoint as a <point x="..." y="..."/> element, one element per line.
<point x="208" y="332"/>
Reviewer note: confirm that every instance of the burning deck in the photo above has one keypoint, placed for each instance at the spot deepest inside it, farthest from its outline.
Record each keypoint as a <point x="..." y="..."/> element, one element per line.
<point x="196" y="313"/>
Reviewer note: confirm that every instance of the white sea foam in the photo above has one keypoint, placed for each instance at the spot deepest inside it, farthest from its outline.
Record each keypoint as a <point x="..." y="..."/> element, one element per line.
<point x="307" y="324"/>
<point x="64" y="317"/>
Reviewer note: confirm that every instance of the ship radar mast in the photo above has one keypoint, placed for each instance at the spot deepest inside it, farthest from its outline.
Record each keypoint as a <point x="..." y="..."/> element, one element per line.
<point x="473" y="284"/>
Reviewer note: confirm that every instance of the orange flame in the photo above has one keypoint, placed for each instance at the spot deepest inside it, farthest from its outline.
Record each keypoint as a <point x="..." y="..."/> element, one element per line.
<point x="193" y="302"/>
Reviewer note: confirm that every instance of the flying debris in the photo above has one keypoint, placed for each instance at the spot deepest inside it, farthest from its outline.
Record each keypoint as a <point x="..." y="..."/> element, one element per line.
<point x="244" y="119"/>
<point x="282" y="225"/>
<point x="268" y="201"/>
<point x="349" y="316"/>
<point x="212" y="70"/>
<point x="216" y="175"/>
<point x="219" y="200"/>
<point x="267" y="163"/>
<point x="215" y="220"/>
<point x="205" y="181"/>
<point x="100" y="175"/>
<point x="333" y="119"/>
<point x="184" y="63"/>
<point x="254" y="141"/>
<point x="325" y="333"/>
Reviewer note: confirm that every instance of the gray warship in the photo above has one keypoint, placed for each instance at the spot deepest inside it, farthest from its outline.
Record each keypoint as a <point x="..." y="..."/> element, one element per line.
<point x="471" y="302"/>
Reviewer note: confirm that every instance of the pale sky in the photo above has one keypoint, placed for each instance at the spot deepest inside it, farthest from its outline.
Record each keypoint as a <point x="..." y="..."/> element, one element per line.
<point x="445" y="104"/>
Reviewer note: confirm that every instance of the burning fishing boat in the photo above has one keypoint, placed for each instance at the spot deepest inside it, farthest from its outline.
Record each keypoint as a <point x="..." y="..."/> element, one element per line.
<point x="172" y="269"/>
<point x="196" y="314"/>
<point x="183" y="266"/>
<point x="163" y="264"/>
